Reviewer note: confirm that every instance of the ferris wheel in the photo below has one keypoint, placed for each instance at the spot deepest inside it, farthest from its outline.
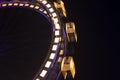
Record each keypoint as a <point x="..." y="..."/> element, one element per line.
<point x="59" y="60"/>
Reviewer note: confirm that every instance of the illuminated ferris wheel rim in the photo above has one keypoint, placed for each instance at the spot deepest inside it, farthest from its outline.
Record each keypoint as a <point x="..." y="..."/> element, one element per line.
<point x="47" y="9"/>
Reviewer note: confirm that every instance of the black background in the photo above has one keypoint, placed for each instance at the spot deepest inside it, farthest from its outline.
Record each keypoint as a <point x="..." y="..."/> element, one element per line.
<point x="25" y="37"/>
<point x="97" y="50"/>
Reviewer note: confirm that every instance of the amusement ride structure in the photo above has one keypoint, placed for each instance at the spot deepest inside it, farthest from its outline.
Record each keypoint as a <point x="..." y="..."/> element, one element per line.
<point x="59" y="60"/>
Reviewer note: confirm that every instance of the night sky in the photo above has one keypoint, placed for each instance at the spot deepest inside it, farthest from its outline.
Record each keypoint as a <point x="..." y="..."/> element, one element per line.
<point x="96" y="53"/>
<point x="25" y="37"/>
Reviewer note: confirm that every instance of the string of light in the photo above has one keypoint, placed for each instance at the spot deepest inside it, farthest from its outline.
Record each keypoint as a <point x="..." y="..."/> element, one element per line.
<point x="56" y="25"/>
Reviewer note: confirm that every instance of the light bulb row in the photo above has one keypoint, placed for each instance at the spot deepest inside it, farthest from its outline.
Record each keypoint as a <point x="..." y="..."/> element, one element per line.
<point x="57" y="38"/>
<point x="56" y="24"/>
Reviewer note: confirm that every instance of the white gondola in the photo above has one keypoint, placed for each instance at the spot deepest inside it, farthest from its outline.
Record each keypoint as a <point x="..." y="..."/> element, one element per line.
<point x="68" y="66"/>
<point x="71" y="32"/>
